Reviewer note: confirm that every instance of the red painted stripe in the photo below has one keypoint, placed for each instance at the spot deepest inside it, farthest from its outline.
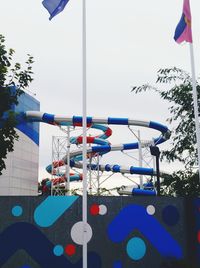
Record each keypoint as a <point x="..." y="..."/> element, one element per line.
<point x="89" y="139"/>
<point x="108" y="132"/>
<point x="80" y="124"/>
<point x="58" y="163"/>
<point x="61" y="179"/>
<point x="79" y="139"/>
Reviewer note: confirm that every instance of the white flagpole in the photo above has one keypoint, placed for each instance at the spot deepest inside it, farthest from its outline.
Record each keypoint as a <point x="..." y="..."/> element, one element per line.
<point x="84" y="103"/>
<point x="195" y="103"/>
<point x="67" y="188"/>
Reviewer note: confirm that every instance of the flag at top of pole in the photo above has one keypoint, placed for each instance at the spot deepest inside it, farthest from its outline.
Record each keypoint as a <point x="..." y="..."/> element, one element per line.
<point x="54" y="7"/>
<point x="183" y="33"/>
<point x="183" y="30"/>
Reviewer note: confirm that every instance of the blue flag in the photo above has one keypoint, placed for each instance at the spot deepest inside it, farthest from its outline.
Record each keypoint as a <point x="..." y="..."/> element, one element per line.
<point x="54" y="7"/>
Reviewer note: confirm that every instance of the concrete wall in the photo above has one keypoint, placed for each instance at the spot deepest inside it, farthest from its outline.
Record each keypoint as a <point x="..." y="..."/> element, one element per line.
<point x="122" y="232"/>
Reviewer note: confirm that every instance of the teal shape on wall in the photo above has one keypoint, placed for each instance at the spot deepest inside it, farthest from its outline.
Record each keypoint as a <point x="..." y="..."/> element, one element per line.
<point x="52" y="208"/>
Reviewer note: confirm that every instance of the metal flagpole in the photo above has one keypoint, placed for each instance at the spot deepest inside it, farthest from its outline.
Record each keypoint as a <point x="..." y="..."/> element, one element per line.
<point x="195" y="101"/>
<point x="67" y="188"/>
<point x="140" y="158"/>
<point x="84" y="122"/>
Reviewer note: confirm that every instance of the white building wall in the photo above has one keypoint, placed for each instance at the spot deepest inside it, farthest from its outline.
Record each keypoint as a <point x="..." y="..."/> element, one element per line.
<point x="21" y="174"/>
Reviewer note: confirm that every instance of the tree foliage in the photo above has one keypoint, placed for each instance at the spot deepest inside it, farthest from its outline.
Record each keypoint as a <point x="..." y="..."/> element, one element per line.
<point x="176" y="88"/>
<point x="11" y="74"/>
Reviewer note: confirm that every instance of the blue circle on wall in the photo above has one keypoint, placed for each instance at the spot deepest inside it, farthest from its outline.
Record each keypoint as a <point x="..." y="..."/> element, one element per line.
<point x="136" y="248"/>
<point x="58" y="250"/>
<point x="117" y="264"/>
<point x="17" y="211"/>
<point x="170" y="215"/>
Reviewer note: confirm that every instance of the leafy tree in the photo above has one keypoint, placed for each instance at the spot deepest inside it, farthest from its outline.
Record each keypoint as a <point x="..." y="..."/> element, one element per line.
<point x="176" y="88"/>
<point x="181" y="183"/>
<point x="11" y="74"/>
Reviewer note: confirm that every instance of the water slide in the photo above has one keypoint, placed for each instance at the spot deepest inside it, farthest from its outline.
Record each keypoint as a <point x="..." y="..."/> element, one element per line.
<point x="102" y="145"/>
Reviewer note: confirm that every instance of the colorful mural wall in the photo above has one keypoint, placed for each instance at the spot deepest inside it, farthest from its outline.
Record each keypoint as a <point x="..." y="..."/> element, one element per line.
<point x="122" y="232"/>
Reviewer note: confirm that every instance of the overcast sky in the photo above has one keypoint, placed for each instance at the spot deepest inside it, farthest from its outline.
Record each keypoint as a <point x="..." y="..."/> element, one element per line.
<point x="127" y="42"/>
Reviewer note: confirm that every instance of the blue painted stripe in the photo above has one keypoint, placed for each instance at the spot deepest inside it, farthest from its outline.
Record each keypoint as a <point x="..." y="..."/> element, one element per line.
<point x="78" y="119"/>
<point x="89" y="120"/>
<point x="116" y="168"/>
<point x="48" y="118"/>
<point x="158" y="126"/>
<point x="143" y="192"/>
<point x="159" y="140"/>
<point x="118" y="121"/>
<point x="73" y="140"/>
<point x="103" y="136"/>
<point x="129" y="146"/>
<point x="104" y="148"/>
<point x="93" y="166"/>
<point x="107" y="167"/>
<point x="78" y="158"/>
<point x="75" y="177"/>
<point x="49" y="168"/>
<point x="100" y="141"/>
<point x="148" y="185"/>
<point x="72" y="163"/>
<point x="140" y="170"/>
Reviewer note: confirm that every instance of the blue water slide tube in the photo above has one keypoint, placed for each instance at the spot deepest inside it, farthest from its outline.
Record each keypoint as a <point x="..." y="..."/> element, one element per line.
<point x="102" y="145"/>
<point x="77" y="120"/>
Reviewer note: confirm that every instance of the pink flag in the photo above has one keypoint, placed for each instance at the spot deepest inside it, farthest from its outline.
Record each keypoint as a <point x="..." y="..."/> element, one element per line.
<point x="183" y="30"/>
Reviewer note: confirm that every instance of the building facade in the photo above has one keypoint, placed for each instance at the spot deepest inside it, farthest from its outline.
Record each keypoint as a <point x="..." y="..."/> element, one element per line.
<point x="21" y="174"/>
